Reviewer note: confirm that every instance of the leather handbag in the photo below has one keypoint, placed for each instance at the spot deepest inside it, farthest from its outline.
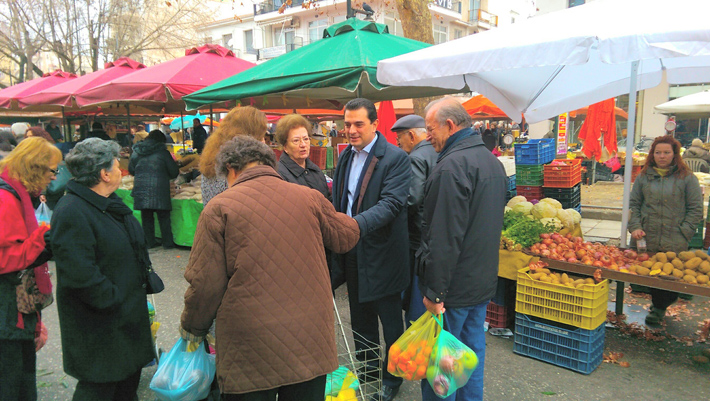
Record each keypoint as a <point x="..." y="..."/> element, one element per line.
<point x="153" y="282"/>
<point x="29" y="299"/>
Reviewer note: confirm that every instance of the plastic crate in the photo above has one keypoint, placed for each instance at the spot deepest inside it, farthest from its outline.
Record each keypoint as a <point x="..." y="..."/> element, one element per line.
<point x="505" y="292"/>
<point x="530" y="175"/>
<point x="530" y="192"/>
<point x="566" y="194"/>
<point x="319" y="156"/>
<point x="329" y="163"/>
<point x="569" y="347"/>
<point x="584" y="307"/>
<point x="499" y="316"/>
<point x="511" y="183"/>
<point x="573" y="204"/>
<point x="697" y="240"/>
<point x="510" y="195"/>
<point x="535" y="151"/>
<point x="565" y="175"/>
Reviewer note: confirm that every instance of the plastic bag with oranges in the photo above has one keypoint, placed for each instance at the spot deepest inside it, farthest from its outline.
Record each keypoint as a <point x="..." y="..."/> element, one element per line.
<point x="409" y="355"/>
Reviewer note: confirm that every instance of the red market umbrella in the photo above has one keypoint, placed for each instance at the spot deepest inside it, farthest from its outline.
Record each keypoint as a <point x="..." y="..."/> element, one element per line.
<point x="387" y="119"/>
<point x="62" y="94"/>
<point x="169" y="81"/>
<point x="601" y="120"/>
<point x="9" y="97"/>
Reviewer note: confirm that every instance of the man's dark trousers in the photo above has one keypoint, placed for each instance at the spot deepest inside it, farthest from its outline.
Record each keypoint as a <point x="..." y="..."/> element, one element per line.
<point x="364" y="322"/>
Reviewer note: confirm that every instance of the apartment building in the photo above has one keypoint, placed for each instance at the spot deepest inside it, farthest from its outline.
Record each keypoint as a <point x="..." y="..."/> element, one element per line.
<point x="266" y="29"/>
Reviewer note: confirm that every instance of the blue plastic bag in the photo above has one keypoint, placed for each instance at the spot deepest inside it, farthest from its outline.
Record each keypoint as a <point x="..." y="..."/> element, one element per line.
<point x="43" y="213"/>
<point x="182" y="375"/>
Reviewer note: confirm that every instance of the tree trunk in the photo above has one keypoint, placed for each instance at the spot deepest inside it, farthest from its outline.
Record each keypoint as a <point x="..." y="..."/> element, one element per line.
<point x="416" y="24"/>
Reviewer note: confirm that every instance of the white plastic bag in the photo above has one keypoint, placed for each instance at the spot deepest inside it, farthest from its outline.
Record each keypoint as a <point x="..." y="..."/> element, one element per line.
<point x="43" y="213"/>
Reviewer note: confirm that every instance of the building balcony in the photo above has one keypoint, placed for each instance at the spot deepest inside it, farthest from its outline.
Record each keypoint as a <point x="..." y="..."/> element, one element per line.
<point x="482" y="19"/>
<point x="275" y="51"/>
<point x="273" y="5"/>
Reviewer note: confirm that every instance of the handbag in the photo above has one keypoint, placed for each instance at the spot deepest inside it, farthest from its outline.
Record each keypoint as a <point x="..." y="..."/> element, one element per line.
<point x="153" y="282"/>
<point x="29" y="299"/>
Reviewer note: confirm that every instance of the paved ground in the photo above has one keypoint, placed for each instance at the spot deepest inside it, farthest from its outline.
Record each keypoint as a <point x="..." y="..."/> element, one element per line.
<point x="659" y="370"/>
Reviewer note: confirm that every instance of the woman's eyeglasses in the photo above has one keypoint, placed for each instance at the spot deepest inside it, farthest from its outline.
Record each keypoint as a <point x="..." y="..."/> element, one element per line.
<point x="54" y="171"/>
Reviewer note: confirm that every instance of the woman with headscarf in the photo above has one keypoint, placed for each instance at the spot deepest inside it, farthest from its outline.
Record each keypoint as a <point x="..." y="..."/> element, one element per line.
<point x="24" y="173"/>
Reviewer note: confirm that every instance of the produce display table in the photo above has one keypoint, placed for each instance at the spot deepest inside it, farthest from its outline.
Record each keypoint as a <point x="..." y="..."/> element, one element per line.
<point x="183" y="217"/>
<point x="662" y="282"/>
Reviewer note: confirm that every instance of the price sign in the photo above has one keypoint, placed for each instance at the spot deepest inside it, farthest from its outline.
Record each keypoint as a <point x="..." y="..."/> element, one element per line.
<point x="562" y="134"/>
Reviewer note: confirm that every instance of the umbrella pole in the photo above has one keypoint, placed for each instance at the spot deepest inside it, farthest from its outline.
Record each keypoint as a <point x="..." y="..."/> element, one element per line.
<point x="211" y="118"/>
<point x="65" y="125"/>
<point x="628" y="165"/>
<point x="182" y="128"/>
<point x="128" y="112"/>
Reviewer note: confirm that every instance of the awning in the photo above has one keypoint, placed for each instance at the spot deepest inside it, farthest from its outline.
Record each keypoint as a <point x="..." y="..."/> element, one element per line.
<point x="275" y="22"/>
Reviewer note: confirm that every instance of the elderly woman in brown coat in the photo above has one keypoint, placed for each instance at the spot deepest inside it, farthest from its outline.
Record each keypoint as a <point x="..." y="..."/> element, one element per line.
<point x="258" y="267"/>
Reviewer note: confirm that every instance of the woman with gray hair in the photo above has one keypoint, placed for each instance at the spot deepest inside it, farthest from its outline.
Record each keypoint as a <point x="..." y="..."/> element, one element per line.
<point x="258" y="267"/>
<point x="101" y="260"/>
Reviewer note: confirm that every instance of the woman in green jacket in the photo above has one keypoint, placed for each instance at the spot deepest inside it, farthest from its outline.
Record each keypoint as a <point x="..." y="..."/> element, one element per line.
<point x="666" y="208"/>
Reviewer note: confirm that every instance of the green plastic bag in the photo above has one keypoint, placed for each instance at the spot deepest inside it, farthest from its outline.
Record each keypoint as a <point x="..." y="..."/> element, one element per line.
<point x="450" y="365"/>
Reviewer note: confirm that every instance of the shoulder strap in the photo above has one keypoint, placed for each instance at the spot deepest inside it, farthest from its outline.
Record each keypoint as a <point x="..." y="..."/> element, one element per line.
<point x="7" y="187"/>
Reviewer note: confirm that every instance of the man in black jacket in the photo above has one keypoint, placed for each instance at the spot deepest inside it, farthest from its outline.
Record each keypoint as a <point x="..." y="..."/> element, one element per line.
<point x="457" y="262"/>
<point x="371" y="184"/>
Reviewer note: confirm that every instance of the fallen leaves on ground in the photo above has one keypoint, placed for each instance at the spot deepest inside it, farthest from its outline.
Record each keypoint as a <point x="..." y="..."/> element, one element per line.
<point x="635" y="329"/>
<point x="615" y="358"/>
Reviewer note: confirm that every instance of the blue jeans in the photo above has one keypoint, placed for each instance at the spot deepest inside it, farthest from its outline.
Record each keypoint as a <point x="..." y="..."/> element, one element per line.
<point x="466" y="324"/>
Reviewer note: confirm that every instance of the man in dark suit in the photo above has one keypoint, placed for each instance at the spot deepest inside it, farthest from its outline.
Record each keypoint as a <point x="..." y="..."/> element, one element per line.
<point x="371" y="184"/>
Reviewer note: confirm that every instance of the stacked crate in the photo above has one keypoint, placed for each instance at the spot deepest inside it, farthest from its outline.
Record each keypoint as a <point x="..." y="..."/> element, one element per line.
<point x="500" y="312"/>
<point x="563" y="182"/>
<point x="561" y="325"/>
<point x="529" y="160"/>
<point x="319" y="156"/>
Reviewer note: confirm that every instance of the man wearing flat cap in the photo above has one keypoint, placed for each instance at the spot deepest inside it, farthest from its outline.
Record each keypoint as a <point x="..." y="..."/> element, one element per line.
<point x="411" y="137"/>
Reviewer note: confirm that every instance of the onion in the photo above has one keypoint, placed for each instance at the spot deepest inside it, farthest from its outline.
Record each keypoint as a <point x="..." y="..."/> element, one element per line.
<point x="544" y="236"/>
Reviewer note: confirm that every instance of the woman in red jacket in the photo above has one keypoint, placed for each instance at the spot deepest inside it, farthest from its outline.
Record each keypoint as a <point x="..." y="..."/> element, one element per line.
<point x="24" y="173"/>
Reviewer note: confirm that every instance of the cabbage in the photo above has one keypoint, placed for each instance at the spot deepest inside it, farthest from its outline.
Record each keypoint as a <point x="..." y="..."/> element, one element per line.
<point x="543" y="210"/>
<point x="515" y="200"/>
<point x="553" y="202"/>
<point x="554" y="220"/>
<point x="575" y="215"/>
<point x="566" y="218"/>
<point x="523" y="207"/>
<point x="507" y="209"/>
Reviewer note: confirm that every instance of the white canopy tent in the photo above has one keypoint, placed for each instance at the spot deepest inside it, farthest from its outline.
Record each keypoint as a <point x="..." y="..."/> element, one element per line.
<point x="695" y="105"/>
<point x="569" y="59"/>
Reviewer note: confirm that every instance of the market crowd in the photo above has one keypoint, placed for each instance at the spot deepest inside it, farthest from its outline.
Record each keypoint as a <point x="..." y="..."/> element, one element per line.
<point x="407" y="228"/>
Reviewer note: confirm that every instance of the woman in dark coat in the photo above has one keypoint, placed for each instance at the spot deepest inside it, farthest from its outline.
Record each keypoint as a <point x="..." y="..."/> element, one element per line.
<point x="294" y="164"/>
<point x="101" y="270"/>
<point x="153" y="168"/>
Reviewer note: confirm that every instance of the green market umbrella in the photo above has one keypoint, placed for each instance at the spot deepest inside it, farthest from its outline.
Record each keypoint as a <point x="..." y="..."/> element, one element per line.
<point x="323" y="74"/>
